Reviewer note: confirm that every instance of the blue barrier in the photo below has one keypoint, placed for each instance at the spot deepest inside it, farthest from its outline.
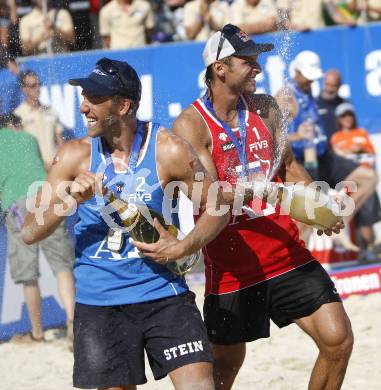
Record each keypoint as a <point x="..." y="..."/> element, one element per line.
<point x="172" y="78"/>
<point x="172" y="73"/>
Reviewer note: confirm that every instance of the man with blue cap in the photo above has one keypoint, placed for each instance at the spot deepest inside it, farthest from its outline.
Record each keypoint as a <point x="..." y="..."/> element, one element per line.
<point x="127" y="300"/>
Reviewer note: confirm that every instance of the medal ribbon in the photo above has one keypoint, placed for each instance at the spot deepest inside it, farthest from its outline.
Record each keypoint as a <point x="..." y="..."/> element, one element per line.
<point x="134" y="156"/>
<point x="240" y="144"/>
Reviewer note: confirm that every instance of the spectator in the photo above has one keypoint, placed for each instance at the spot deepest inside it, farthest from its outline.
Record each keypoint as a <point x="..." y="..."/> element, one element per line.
<point x="10" y="91"/>
<point x="367" y="10"/>
<point x="328" y="100"/>
<point x="337" y="12"/>
<point x="95" y="7"/>
<point x="350" y="141"/>
<point x="202" y="18"/>
<point x="168" y="21"/>
<point x="20" y="8"/>
<point x="38" y="120"/>
<point x="308" y="139"/>
<point x="20" y="167"/>
<point x="41" y="33"/>
<point x="126" y="23"/>
<point x="305" y="15"/>
<point x="354" y="143"/>
<point x="254" y="16"/>
<point x="8" y="17"/>
<point x="82" y="13"/>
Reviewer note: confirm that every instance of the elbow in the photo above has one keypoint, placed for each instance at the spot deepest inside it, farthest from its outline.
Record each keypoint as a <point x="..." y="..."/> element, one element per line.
<point x="27" y="236"/>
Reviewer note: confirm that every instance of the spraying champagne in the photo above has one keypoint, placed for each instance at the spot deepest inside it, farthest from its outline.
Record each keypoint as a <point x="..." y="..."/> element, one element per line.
<point x="141" y="229"/>
<point x="304" y="204"/>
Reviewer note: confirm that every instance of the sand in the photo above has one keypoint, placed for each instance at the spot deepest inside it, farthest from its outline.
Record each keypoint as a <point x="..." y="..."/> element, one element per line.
<point x="282" y="362"/>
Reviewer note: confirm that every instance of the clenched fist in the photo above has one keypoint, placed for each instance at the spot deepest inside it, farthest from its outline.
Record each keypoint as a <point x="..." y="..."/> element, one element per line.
<point x="86" y="185"/>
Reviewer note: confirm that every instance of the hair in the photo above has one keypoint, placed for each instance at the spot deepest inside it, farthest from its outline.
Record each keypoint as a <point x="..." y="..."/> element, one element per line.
<point x="10" y="120"/>
<point x="25" y="74"/>
<point x="5" y="57"/>
<point x="354" y="121"/>
<point x="208" y="78"/>
<point x="134" y="104"/>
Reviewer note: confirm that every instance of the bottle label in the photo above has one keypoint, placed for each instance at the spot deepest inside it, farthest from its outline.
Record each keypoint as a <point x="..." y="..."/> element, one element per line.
<point x="115" y="239"/>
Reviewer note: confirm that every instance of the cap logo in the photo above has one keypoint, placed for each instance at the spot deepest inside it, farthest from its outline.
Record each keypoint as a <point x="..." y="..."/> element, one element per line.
<point x="243" y="36"/>
<point x="98" y="71"/>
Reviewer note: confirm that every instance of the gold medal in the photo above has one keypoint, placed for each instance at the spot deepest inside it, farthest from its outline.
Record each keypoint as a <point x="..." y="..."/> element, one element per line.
<point x="115" y="240"/>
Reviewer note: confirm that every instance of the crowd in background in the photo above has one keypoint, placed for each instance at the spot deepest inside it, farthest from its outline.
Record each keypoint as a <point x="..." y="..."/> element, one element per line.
<point x="32" y="27"/>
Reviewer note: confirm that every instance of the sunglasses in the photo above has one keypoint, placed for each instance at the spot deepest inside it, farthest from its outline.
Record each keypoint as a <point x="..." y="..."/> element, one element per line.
<point x="108" y="67"/>
<point x="227" y="32"/>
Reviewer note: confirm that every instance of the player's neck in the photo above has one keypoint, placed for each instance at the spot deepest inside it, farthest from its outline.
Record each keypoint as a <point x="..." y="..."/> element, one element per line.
<point x="224" y="103"/>
<point x="121" y="139"/>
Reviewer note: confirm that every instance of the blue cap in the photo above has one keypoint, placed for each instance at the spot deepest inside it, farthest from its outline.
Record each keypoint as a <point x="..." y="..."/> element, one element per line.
<point x="109" y="78"/>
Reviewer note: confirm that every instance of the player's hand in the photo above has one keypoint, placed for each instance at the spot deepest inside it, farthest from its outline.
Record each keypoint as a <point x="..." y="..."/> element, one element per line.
<point x="339" y="226"/>
<point x="86" y="185"/>
<point x="168" y="248"/>
<point x="333" y="229"/>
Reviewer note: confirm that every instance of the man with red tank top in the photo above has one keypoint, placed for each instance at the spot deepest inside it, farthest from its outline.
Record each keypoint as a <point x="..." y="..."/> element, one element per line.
<point x="257" y="269"/>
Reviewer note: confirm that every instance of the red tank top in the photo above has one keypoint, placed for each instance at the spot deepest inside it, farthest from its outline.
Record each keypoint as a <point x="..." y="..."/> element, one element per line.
<point x="261" y="243"/>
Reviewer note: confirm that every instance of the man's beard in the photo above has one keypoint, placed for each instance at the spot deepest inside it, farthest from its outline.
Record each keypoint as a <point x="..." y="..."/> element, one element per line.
<point x="110" y="123"/>
<point x="329" y="96"/>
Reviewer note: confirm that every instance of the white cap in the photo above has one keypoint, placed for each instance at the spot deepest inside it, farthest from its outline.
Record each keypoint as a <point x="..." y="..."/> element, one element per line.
<point x="308" y="64"/>
<point x="344" y="108"/>
<point x="210" y="50"/>
<point x="233" y="42"/>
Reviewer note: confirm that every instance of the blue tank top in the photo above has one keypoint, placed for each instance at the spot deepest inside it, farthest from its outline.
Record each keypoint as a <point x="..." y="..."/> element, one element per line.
<point x="307" y="111"/>
<point x="106" y="278"/>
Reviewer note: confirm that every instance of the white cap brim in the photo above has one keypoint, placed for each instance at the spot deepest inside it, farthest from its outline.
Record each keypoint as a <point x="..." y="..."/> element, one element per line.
<point x="312" y="73"/>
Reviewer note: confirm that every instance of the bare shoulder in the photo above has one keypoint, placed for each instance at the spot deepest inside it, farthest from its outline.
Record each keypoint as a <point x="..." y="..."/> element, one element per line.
<point x="73" y="156"/>
<point x="174" y="155"/>
<point x="265" y="104"/>
<point x="189" y="116"/>
<point x="191" y="126"/>
<point x="170" y="145"/>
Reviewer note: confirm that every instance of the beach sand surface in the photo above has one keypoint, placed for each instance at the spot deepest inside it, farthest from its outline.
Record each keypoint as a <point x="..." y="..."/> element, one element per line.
<point x="282" y="362"/>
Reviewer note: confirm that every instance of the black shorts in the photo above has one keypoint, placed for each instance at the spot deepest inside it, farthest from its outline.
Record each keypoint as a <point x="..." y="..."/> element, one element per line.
<point x="245" y="315"/>
<point x="109" y="342"/>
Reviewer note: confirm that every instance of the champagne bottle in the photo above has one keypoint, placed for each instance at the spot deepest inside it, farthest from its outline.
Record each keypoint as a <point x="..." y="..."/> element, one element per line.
<point x="304" y="204"/>
<point x="141" y="229"/>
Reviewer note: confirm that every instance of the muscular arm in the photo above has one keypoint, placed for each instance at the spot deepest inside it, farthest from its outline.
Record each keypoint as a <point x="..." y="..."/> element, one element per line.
<point x="178" y="162"/>
<point x="191" y="127"/>
<point x="178" y="165"/>
<point x="53" y="202"/>
<point x="260" y="27"/>
<point x="67" y="36"/>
